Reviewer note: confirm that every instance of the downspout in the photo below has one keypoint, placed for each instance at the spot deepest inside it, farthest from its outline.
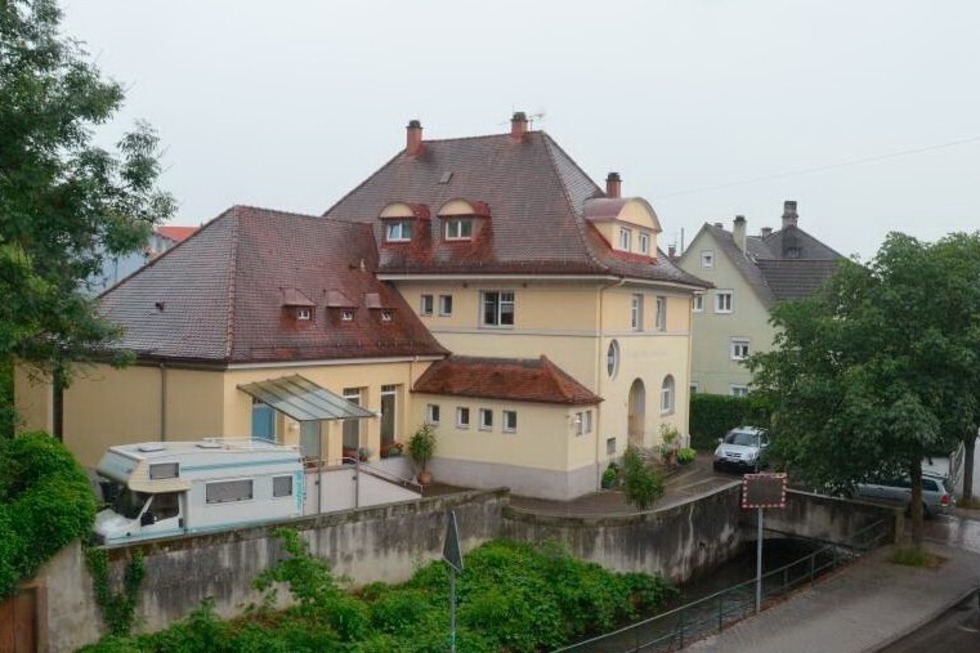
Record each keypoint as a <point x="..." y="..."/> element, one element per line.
<point x="598" y="376"/>
<point x="163" y="402"/>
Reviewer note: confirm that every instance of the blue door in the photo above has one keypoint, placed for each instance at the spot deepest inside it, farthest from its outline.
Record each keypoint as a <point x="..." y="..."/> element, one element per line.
<point x="263" y="421"/>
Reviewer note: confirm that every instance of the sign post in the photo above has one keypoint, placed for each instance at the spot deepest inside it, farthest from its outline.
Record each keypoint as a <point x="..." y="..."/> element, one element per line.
<point x="452" y="554"/>
<point x="762" y="491"/>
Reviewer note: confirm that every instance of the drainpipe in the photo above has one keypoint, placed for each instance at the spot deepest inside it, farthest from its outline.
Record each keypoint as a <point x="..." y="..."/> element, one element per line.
<point x="598" y="376"/>
<point x="163" y="402"/>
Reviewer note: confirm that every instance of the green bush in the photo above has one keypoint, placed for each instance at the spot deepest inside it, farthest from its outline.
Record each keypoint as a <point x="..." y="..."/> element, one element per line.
<point x="642" y="484"/>
<point x="45" y="503"/>
<point x="514" y="597"/>
<point x="714" y="415"/>
<point x="686" y="455"/>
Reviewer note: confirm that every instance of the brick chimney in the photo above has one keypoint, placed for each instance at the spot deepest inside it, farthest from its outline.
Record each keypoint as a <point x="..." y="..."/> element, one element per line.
<point x="738" y="232"/>
<point x="789" y="213"/>
<point x="413" y="142"/>
<point x="766" y="231"/>
<point x="518" y="126"/>
<point x="614" y="185"/>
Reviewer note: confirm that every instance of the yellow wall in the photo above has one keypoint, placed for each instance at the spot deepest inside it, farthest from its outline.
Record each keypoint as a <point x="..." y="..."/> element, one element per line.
<point x="32" y="397"/>
<point x="544" y="438"/>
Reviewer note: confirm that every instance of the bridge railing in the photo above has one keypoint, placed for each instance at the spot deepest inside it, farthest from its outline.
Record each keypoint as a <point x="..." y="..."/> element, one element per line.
<point x="674" y="629"/>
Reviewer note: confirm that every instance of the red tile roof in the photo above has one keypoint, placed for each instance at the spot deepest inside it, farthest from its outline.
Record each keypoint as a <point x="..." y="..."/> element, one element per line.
<point x="177" y="233"/>
<point x="535" y="194"/>
<point x="537" y="380"/>
<point x="220" y="296"/>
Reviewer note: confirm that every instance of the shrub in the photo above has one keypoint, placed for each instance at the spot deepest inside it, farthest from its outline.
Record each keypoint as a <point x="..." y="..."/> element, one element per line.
<point x="642" y="484"/>
<point x="610" y="477"/>
<point x="714" y="415"/>
<point x="45" y="503"/>
<point x="422" y="446"/>
<point x="686" y="455"/>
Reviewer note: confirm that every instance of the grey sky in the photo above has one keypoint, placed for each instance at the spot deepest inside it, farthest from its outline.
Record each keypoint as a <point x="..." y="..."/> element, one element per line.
<point x="290" y="104"/>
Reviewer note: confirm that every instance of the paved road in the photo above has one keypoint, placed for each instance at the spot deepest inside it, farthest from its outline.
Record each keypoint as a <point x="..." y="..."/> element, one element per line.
<point x="957" y="631"/>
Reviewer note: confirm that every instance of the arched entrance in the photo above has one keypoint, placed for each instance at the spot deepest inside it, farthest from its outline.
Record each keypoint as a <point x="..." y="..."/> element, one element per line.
<point x="637" y="412"/>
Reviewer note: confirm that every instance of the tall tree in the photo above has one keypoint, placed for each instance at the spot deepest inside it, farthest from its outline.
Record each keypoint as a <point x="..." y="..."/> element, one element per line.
<point x="879" y="368"/>
<point x="65" y="203"/>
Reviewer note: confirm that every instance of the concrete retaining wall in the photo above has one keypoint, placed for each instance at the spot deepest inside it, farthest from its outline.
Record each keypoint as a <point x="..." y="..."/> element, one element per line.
<point x="677" y="542"/>
<point x="830" y="519"/>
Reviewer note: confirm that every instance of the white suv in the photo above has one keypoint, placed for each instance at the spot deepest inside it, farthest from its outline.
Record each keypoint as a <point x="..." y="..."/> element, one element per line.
<point x="743" y="448"/>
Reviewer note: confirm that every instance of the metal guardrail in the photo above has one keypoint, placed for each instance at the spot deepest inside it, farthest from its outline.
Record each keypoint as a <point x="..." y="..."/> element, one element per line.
<point x="676" y="628"/>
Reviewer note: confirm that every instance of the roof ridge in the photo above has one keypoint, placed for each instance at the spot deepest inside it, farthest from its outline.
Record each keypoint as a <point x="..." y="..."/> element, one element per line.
<point x="232" y="286"/>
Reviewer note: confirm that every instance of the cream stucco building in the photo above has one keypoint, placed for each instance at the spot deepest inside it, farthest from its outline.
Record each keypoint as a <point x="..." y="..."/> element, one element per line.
<point x="491" y="258"/>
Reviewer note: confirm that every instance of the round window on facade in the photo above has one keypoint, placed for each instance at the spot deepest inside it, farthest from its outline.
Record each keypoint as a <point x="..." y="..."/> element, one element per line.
<point x="612" y="359"/>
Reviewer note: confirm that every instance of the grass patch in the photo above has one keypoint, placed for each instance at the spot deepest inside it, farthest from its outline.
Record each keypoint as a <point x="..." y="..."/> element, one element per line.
<point x="915" y="557"/>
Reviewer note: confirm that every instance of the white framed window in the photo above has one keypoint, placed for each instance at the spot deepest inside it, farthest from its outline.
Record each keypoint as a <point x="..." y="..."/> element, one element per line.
<point x="694" y="387"/>
<point x="739" y="390"/>
<point x="304" y="313"/>
<point x="398" y="231"/>
<point x="724" y="300"/>
<point x="352" y="427"/>
<point x="445" y="305"/>
<point x="459" y="228"/>
<point x="510" y="421"/>
<point x="587" y="417"/>
<point x="740" y="349"/>
<point x="498" y="308"/>
<point x="462" y="417"/>
<point x="387" y="314"/>
<point x="432" y="414"/>
<point x="347" y="315"/>
<point x="486" y="419"/>
<point x="707" y="259"/>
<point x="625" y="239"/>
<point x="610" y="446"/>
<point x="698" y="303"/>
<point x="636" y="312"/>
<point x="612" y="359"/>
<point x="425" y="305"/>
<point x="644" y="241"/>
<point x="661" y="315"/>
<point x="579" y="424"/>
<point x="667" y="395"/>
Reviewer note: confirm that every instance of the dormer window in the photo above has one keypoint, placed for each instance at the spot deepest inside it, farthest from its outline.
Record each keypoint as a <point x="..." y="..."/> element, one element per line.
<point x="387" y="314"/>
<point x="398" y="231"/>
<point x="644" y="243"/>
<point x="347" y="315"/>
<point x="304" y="314"/>
<point x="625" y="239"/>
<point x="459" y="228"/>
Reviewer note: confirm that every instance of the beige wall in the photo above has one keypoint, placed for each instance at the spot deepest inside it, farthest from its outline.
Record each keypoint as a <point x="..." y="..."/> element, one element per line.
<point x="32" y="397"/>
<point x="714" y="370"/>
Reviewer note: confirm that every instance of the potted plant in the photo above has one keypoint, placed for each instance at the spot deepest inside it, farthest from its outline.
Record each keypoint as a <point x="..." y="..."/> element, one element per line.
<point x="421" y="448"/>
<point x="392" y="449"/>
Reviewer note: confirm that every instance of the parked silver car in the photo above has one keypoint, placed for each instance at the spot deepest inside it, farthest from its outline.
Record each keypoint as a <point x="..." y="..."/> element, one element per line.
<point x="936" y="495"/>
<point x="743" y="449"/>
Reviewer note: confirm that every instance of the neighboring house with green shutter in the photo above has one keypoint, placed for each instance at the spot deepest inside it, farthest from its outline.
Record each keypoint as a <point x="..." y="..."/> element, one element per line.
<point x="750" y="275"/>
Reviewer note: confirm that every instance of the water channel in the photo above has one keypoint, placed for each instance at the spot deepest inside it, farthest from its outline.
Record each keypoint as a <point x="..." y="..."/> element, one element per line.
<point x="735" y="575"/>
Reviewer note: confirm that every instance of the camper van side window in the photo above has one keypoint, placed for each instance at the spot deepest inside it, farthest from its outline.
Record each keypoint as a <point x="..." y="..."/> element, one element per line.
<point x="225" y="491"/>
<point x="164" y="470"/>
<point x="282" y="486"/>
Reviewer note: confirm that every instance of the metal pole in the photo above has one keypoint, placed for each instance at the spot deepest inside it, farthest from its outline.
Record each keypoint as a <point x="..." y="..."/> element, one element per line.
<point x="452" y="610"/>
<point x="758" y="566"/>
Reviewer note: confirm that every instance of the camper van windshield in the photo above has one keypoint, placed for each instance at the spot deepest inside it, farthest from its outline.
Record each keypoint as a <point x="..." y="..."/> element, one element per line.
<point x="129" y="503"/>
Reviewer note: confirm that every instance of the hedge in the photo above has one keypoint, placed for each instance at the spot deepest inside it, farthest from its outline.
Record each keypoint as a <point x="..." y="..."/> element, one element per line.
<point x="714" y="415"/>
<point x="45" y="503"/>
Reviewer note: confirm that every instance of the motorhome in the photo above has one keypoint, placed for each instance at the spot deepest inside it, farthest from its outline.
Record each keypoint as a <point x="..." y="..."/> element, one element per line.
<point x="161" y="489"/>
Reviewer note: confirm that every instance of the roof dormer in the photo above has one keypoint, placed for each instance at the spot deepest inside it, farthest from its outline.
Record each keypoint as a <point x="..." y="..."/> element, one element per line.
<point x="628" y="224"/>
<point x="297" y="306"/>
<point x="402" y="221"/>
<point x="462" y="220"/>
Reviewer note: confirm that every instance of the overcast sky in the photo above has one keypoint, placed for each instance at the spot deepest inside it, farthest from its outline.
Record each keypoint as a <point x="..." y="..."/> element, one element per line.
<point x="867" y="113"/>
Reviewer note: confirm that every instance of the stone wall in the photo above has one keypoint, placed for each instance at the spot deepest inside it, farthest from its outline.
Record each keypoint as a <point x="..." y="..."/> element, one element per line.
<point x="830" y="519"/>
